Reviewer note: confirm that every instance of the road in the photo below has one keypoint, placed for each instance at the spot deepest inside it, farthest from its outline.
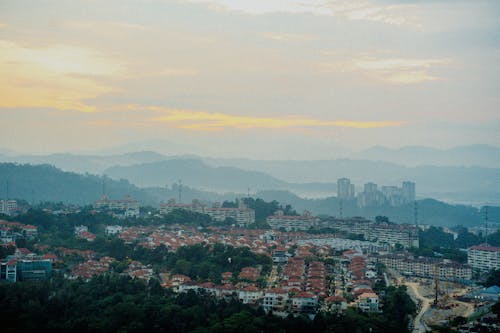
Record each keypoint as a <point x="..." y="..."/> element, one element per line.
<point x="419" y="324"/>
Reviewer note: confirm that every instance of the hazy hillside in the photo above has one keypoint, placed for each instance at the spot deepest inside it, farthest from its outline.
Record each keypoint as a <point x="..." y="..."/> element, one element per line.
<point x="474" y="155"/>
<point x="462" y="184"/>
<point x="430" y="211"/>
<point x="196" y="174"/>
<point x="313" y="179"/>
<point x="94" y="164"/>
<point x="35" y="183"/>
<point x="47" y="183"/>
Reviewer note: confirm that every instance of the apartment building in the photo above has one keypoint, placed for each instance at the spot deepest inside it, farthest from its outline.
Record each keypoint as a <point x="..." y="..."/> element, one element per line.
<point x="7" y="207"/>
<point x="292" y="222"/>
<point x="483" y="257"/>
<point x="427" y="267"/>
<point x="243" y="215"/>
<point x="128" y="205"/>
<point x="403" y="234"/>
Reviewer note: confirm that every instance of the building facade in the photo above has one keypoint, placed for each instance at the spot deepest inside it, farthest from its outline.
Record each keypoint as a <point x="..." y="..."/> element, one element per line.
<point x="484" y="258"/>
<point x="292" y="222"/>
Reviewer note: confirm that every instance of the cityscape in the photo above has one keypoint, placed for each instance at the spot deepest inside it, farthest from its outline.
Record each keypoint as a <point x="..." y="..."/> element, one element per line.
<point x="272" y="166"/>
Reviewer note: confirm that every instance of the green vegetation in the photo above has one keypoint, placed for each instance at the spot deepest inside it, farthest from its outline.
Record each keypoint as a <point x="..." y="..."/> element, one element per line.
<point x="111" y="303"/>
<point x="208" y="262"/>
<point x="435" y="242"/>
<point x="493" y="278"/>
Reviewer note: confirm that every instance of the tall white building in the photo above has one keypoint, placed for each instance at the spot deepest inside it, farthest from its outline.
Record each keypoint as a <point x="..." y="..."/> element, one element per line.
<point x="345" y="190"/>
<point x="483" y="257"/>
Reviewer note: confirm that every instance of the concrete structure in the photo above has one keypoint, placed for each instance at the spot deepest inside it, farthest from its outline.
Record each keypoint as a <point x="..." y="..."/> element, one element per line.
<point x="408" y="191"/>
<point x="368" y="302"/>
<point x="292" y="222"/>
<point x="127" y="205"/>
<point x="242" y="215"/>
<point x="13" y="270"/>
<point x="403" y="234"/>
<point x="8" y="270"/>
<point x="483" y="257"/>
<point x="345" y="190"/>
<point x="426" y="267"/>
<point x="275" y="300"/>
<point x="371" y="196"/>
<point x="304" y="302"/>
<point x="7" y="207"/>
<point x="389" y="233"/>
<point x="113" y="229"/>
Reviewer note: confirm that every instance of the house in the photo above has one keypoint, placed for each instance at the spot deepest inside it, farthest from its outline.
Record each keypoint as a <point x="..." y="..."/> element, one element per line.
<point x="334" y="304"/>
<point x="275" y="300"/>
<point x="30" y="231"/>
<point x="113" y="230"/>
<point x="249" y="295"/>
<point x="304" y="302"/>
<point x="368" y="302"/>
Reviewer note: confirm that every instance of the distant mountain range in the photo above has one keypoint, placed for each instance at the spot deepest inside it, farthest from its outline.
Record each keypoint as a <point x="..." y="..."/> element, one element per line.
<point x="313" y="179"/>
<point x="46" y="183"/>
<point x="474" y="155"/>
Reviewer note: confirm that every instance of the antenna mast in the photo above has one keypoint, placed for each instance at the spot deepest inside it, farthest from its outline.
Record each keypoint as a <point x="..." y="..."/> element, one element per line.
<point x="415" y="213"/>
<point x="340" y="208"/>
<point x="180" y="191"/>
<point x="486" y="224"/>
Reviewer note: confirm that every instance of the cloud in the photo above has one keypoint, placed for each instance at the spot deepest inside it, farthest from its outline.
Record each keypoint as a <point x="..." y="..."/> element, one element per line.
<point x="367" y="10"/>
<point x="285" y="37"/>
<point x="382" y="66"/>
<point x="207" y="121"/>
<point x="59" y="76"/>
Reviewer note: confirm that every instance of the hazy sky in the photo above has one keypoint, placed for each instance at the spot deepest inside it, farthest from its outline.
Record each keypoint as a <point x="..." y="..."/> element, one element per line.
<point x="260" y="78"/>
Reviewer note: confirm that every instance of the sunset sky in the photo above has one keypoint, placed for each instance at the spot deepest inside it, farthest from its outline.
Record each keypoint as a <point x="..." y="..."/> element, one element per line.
<point x="260" y="78"/>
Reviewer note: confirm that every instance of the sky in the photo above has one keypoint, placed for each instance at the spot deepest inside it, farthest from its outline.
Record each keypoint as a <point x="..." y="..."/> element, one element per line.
<point x="305" y="79"/>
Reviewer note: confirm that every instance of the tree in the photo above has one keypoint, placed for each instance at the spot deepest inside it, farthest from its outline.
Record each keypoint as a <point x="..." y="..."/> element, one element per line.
<point x="493" y="278"/>
<point x="496" y="309"/>
<point x="380" y="219"/>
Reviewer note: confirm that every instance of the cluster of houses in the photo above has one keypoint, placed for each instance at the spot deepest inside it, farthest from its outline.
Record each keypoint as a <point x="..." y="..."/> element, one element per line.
<point x="302" y="287"/>
<point x="10" y="231"/>
<point x="82" y="232"/>
<point x="90" y="268"/>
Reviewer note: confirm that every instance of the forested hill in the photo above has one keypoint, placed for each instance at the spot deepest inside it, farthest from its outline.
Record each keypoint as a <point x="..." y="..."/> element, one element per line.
<point x="47" y="183"/>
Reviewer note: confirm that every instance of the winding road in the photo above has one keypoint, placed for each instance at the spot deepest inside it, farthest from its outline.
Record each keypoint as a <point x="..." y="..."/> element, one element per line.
<point x="419" y="324"/>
